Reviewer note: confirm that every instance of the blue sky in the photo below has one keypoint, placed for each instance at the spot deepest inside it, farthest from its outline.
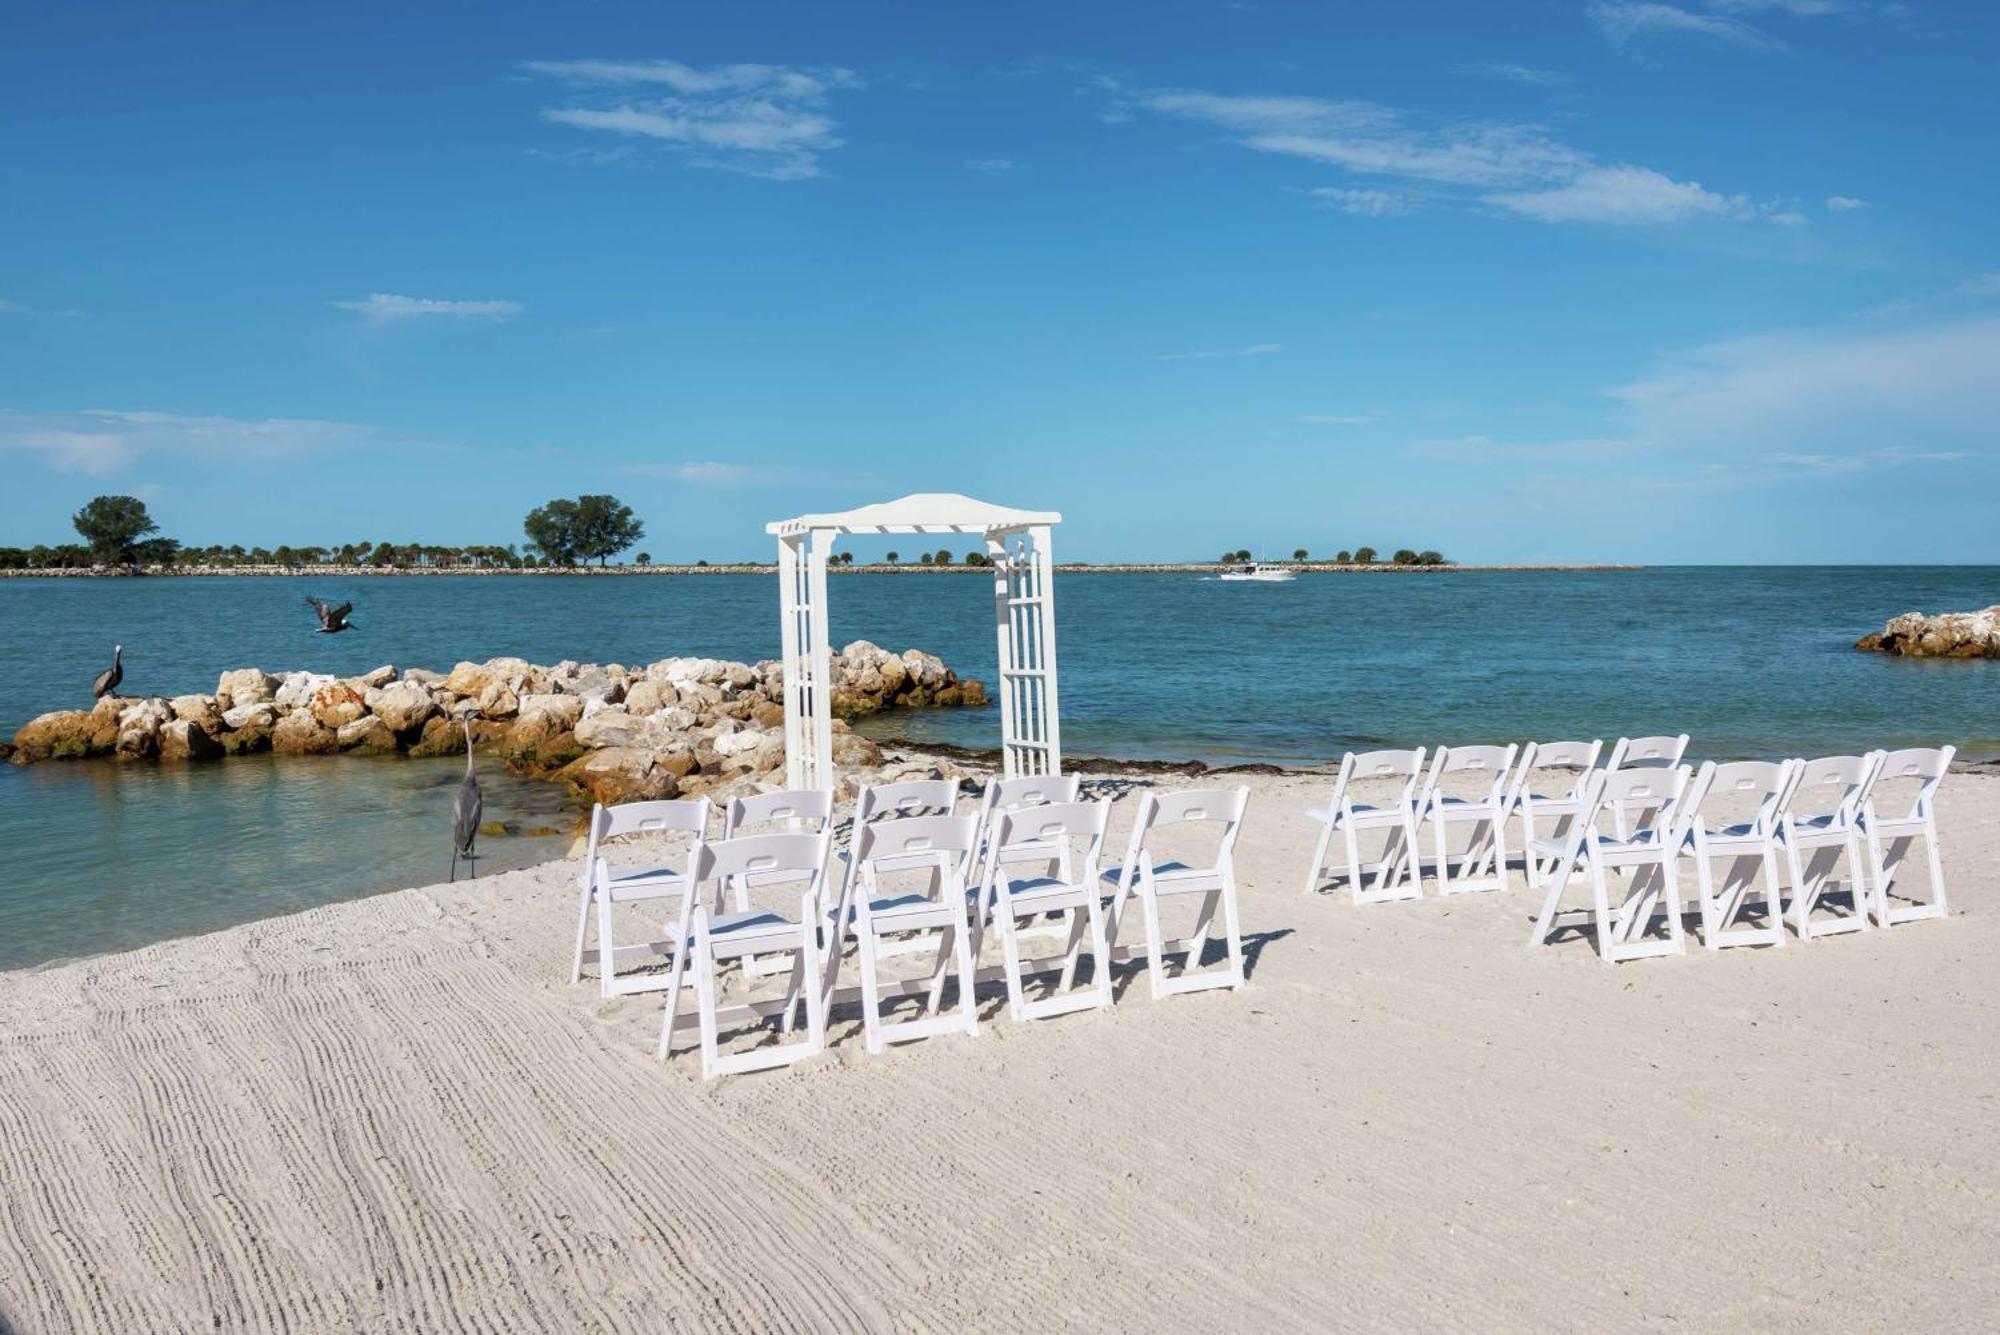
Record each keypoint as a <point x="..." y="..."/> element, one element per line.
<point x="1710" y="280"/>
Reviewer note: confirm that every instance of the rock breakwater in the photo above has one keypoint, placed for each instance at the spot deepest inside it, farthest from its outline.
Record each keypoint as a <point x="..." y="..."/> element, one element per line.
<point x="1942" y="635"/>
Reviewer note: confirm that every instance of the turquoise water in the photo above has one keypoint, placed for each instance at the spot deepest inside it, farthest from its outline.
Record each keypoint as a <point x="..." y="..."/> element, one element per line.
<point x="1751" y="662"/>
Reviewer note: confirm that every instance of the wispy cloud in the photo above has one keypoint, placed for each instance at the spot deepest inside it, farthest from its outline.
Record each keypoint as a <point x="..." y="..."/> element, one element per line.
<point x="1982" y="285"/>
<point x="1844" y="203"/>
<point x="990" y="164"/>
<point x="1630" y="23"/>
<point x="1365" y="203"/>
<point x="761" y="120"/>
<point x="18" y="308"/>
<point x="1854" y="463"/>
<point x="1478" y="449"/>
<point x="1518" y="168"/>
<point x="387" y="306"/>
<point x="101" y="442"/>
<point x="1513" y="73"/>
<point x="1208" y="354"/>
<point x="1343" y="419"/>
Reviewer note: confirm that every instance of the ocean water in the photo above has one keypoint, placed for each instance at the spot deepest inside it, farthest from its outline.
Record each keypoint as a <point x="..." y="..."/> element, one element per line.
<point x="1749" y="661"/>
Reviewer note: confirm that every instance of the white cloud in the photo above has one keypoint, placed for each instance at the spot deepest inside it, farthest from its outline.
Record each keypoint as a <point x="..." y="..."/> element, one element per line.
<point x="761" y="120"/>
<point x="101" y="442"/>
<point x="1519" y="167"/>
<point x="1483" y="449"/>
<point x="1250" y="350"/>
<point x="1627" y="23"/>
<point x="1365" y="203"/>
<point x="1922" y="393"/>
<point x="1844" y="203"/>
<point x="390" y="306"/>
<point x="990" y="164"/>
<point x="1513" y="73"/>
<point x="6" y="305"/>
<point x="713" y="473"/>
<point x="1982" y="285"/>
<point x="1343" y="419"/>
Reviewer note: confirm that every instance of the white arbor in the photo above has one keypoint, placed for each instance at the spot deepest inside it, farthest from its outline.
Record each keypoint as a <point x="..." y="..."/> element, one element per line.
<point x="1024" y="618"/>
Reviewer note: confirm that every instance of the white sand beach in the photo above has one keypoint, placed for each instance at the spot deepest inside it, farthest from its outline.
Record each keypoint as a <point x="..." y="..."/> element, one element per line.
<point x="396" y="1114"/>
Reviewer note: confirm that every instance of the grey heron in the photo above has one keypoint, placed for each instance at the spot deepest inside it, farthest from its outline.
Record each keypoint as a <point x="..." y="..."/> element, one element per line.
<point x="332" y="620"/>
<point x="465" y="809"/>
<point x="107" y="680"/>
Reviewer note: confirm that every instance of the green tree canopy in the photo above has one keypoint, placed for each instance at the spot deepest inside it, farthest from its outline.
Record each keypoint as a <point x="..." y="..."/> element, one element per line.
<point x="567" y="531"/>
<point x="1343" y="557"/>
<point x="1364" y="556"/>
<point x="113" y="525"/>
<point x="1299" y="554"/>
<point x="1405" y="556"/>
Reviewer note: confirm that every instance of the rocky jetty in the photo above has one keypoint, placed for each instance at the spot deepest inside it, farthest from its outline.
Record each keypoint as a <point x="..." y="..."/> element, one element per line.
<point x="1945" y="635"/>
<point x="611" y="732"/>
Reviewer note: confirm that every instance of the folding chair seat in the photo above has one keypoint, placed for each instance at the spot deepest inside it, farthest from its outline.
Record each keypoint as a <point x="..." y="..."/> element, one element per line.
<point x="1821" y="826"/>
<point x="603" y="888"/>
<point x="787" y="811"/>
<point x="879" y="915"/>
<point x="1148" y="879"/>
<point x="1397" y="874"/>
<point x="1560" y="808"/>
<point x="1028" y="790"/>
<point x="894" y="801"/>
<point x="1013" y="899"/>
<point x="1733" y="813"/>
<point x="1892" y="837"/>
<point x="1645" y="858"/>
<point x="1484" y="866"/>
<point x="707" y="940"/>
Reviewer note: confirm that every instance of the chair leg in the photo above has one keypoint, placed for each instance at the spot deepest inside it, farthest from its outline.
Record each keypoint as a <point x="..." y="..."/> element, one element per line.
<point x="607" y="959"/>
<point x="808" y="974"/>
<point x="1937" y="901"/>
<point x="1352" y="838"/>
<point x="1100" y="952"/>
<point x="1156" y="968"/>
<point x="1558" y="881"/>
<point x="1600" y="898"/>
<point x="704" y="993"/>
<point x="674" y="981"/>
<point x="1319" y="858"/>
<point x="1010" y="957"/>
<point x="1232" y="929"/>
<point x="582" y="932"/>
<point x="871" y="1006"/>
<point x="1441" y="841"/>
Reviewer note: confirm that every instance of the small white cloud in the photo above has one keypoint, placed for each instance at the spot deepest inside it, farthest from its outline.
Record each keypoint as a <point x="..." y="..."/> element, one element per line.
<point x="1982" y="285"/>
<point x="100" y="442"/>
<point x="760" y="120"/>
<point x="1251" y="350"/>
<point x="1513" y="73"/>
<point x="1626" y="23"/>
<point x="1623" y="195"/>
<point x="1480" y="449"/>
<point x="390" y="306"/>
<point x="1343" y="419"/>
<point x="1365" y="203"/>
<point x="1844" y="203"/>
<point x="710" y="472"/>
<point x="990" y="164"/>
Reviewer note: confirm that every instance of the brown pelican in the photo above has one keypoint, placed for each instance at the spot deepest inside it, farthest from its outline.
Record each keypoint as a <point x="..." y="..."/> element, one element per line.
<point x="332" y="620"/>
<point x="107" y="680"/>
<point x="465" y="810"/>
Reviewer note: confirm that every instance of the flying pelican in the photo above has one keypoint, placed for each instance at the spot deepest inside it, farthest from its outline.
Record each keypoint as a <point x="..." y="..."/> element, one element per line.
<point x="332" y="620"/>
<point x="465" y="810"/>
<point x="107" y="680"/>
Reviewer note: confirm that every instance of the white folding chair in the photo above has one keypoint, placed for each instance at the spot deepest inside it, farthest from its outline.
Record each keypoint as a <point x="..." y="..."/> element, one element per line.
<point x="1647" y="752"/>
<point x="1396" y="874"/>
<point x="1029" y="790"/>
<point x="1821" y="825"/>
<point x="708" y="939"/>
<point x="1733" y="812"/>
<point x="787" y="811"/>
<point x="1028" y="897"/>
<point x="1571" y="760"/>
<point x="1645" y="858"/>
<point x="604" y="888"/>
<point x="878" y="914"/>
<point x="1484" y="866"/>
<point x="1892" y="837"/>
<point x="1148" y="877"/>
<point x="894" y="801"/>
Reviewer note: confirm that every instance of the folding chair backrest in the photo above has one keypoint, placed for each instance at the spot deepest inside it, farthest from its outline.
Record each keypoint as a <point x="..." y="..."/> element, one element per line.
<point x="1924" y="765"/>
<point x="1027" y="790"/>
<point x="687" y="816"/>
<point x="1650" y="793"/>
<point x="1492" y="763"/>
<point x="947" y="842"/>
<point x="1536" y="757"/>
<point x="1644" y="752"/>
<point x="765" y="858"/>
<point x="1053" y="822"/>
<point x="810" y="808"/>
<point x="912" y="797"/>
<point x="1197" y="806"/>
<point x="1832" y="785"/>
<point x="1361" y="766"/>
<point x="1750" y="791"/>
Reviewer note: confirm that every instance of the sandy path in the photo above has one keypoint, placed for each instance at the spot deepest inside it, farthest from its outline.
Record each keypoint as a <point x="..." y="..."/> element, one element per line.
<point x="393" y="1115"/>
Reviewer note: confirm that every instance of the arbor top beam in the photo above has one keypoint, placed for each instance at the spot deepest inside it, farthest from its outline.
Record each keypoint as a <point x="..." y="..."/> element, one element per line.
<point x="924" y="512"/>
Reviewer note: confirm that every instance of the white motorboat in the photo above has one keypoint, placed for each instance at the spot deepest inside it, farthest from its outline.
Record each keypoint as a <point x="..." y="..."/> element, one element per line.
<point x="1250" y="572"/>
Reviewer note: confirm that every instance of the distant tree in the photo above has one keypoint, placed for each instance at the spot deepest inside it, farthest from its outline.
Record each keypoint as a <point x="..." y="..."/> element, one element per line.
<point x="13" y="558"/>
<point x="847" y="558"/>
<point x="644" y="558"/>
<point x="112" y="525"/>
<point x="975" y="558"/>
<point x="924" y="559"/>
<point x="1299" y="554"/>
<point x="892" y="558"/>
<point x="1229" y="558"/>
<point x="383" y="555"/>
<point x="942" y="558"/>
<point x="157" y="551"/>
<point x="702" y="561"/>
<point x="1430" y="558"/>
<point x="1364" y="556"/>
<point x="1242" y="553"/>
<point x="1343" y="557"/>
<point x="1404" y="557"/>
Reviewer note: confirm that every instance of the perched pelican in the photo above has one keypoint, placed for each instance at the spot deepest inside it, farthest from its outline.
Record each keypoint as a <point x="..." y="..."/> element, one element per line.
<point x="465" y="810"/>
<point x="107" y="680"/>
<point x="332" y="620"/>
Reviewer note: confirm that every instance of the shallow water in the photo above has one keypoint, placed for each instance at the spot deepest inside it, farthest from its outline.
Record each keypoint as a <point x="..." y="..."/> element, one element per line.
<point x="1750" y="661"/>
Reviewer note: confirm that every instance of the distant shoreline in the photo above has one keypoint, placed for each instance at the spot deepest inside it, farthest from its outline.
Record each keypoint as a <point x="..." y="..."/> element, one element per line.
<point x="756" y="568"/>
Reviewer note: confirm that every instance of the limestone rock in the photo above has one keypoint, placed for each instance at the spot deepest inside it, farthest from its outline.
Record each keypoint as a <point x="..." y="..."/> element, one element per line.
<point x="367" y="735"/>
<point x="381" y="676"/>
<point x="620" y="774"/>
<point x="498" y="701"/>
<point x="441" y="737"/>
<point x="243" y="686"/>
<point x="561" y="711"/>
<point x="185" y="739"/>
<point x="422" y="677"/>
<point x="404" y="706"/>
<point x="300" y="734"/>
<point x="299" y="688"/>
<point x="1945" y="635"/>
<point x="648" y="696"/>
<point x="337" y="704"/>
<point x="244" y="716"/>
<point x="199" y="710"/>
<point x="65" y="734"/>
<point x="615" y="727"/>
